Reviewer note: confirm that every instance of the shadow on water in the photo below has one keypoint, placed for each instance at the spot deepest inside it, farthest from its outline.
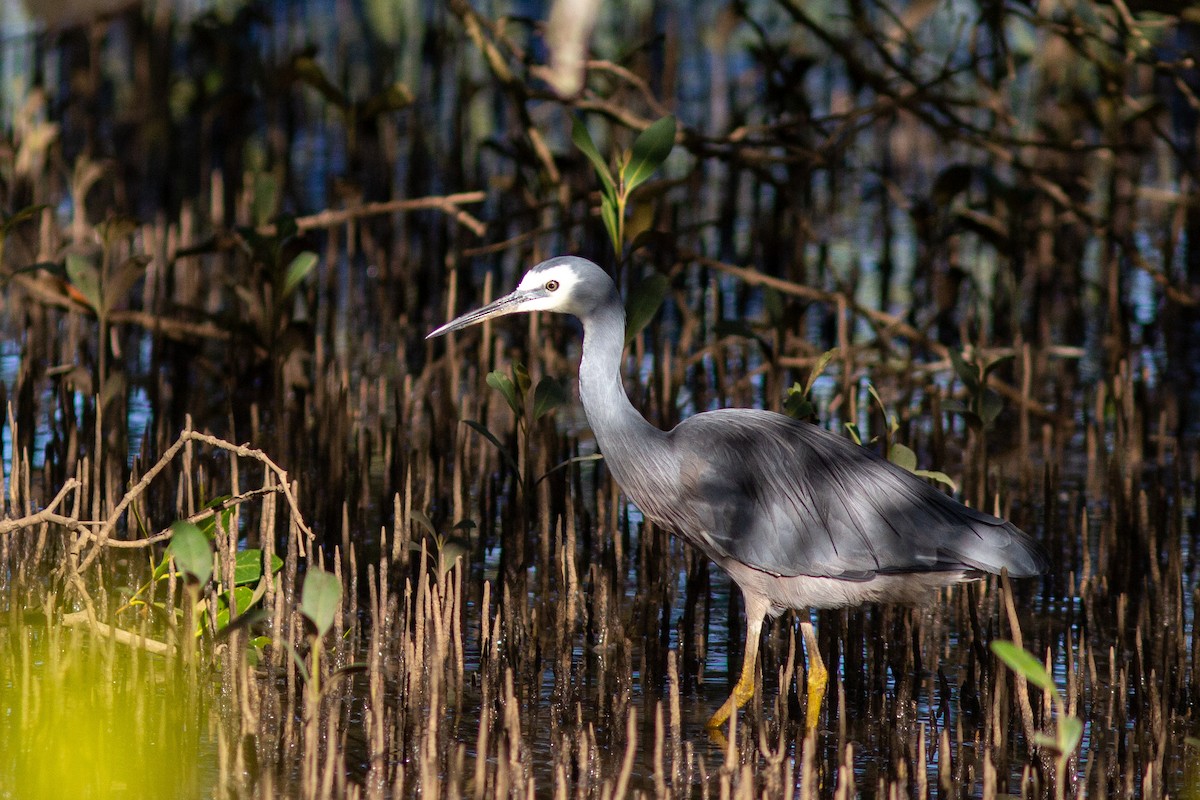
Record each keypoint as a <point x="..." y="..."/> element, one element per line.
<point x="299" y="204"/>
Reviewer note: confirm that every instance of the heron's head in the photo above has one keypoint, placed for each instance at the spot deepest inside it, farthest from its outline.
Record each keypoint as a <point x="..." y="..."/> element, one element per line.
<point x="565" y="284"/>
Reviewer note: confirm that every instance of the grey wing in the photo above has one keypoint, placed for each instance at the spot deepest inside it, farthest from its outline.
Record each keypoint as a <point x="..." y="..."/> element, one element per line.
<point x="790" y="498"/>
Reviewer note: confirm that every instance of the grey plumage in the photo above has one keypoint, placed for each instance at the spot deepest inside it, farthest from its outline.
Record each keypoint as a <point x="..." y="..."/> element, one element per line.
<point x="797" y="515"/>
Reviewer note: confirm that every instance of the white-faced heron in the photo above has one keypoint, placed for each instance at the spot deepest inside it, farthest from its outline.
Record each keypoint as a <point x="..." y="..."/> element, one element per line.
<point x="798" y="516"/>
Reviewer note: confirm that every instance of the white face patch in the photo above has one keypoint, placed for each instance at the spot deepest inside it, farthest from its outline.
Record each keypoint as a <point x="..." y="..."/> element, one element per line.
<point x="550" y="289"/>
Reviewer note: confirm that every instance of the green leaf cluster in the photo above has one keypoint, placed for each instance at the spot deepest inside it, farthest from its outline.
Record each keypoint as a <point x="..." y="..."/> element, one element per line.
<point x="547" y="396"/>
<point x="899" y="454"/>
<point x="650" y="149"/>
<point x="983" y="404"/>
<point x="797" y="403"/>
<point x="191" y="552"/>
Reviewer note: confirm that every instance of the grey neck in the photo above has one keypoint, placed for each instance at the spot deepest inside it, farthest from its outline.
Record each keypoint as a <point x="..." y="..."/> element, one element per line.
<point x="624" y="436"/>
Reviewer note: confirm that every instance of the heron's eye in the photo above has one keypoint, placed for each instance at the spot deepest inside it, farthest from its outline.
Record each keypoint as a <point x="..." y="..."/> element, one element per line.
<point x="551" y="286"/>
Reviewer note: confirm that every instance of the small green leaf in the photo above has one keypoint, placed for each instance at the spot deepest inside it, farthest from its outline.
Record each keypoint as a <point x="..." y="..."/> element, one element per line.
<point x="935" y="475"/>
<point x="248" y="566"/>
<point x="608" y="213"/>
<point x="1070" y="733"/>
<point x="422" y="519"/>
<point x="990" y="406"/>
<point x="243" y="598"/>
<point x="852" y="429"/>
<point x="644" y="301"/>
<point x="650" y="150"/>
<point x="996" y="362"/>
<point x="583" y="140"/>
<point x="521" y="379"/>
<point x="266" y="191"/>
<point x="504" y="385"/>
<point x="967" y="373"/>
<point x="1024" y="664"/>
<point x="955" y="407"/>
<point x="122" y="280"/>
<point x="818" y="368"/>
<point x="567" y="463"/>
<point x="796" y="403"/>
<point x="319" y="599"/>
<point x="485" y="433"/>
<point x="548" y="396"/>
<point x="191" y="550"/>
<point x="887" y="418"/>
<point x="300" y="665"/>
<point x="903" y="456"/>
<point x="300" y="268"/>
<point x="1045" y="741"/>
<point x="84" y="276"/>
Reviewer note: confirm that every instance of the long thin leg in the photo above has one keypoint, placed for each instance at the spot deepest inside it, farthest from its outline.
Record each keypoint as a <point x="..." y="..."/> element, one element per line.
<point x="756" y="610"/>
<point x="818" y="676"/>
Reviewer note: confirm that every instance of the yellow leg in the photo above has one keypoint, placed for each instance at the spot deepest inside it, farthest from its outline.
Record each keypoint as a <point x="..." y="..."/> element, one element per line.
<point x="744" y="689"/>
<point x="818" y="676"/>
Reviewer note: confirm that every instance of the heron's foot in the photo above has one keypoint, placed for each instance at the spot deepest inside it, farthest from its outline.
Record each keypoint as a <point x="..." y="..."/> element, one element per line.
<point x="818" y="681"/>
<point x="742" y="692"/>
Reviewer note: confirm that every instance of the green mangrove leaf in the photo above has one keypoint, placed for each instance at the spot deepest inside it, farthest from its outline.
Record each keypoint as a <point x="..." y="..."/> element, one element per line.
<point x="319" y="599"/>
<point x="967" y="373"/>
<point x="852" y="429"/>
<point x="644" y="301"/>
<point x="422" y="519"/>
<point x="889" y="419"/>
<point x="300" y="268"/>
<point x="191" y="550"/>
<point x="1070" y="733"/>
<point x="85" y="277"/>
<point x="903" y="456"/>
<point x="266" y="193"/>
<point x="248" y="566"/>
<point x="1023" y="663"/>
<point x="650" y="150"/>
<point x="608" y="213"/>
<point x="990" y="367"/>
<point x="548" y="396"/>
<point x="935" y="475"/>
<point x="122" y="280"/>
<point x="796" y="403"/>
<point x="990" y="406"/>
<point x="242" y="598"/>
<point x="485" y="433"/>
<point x="504" y="385"/>
<point x="567" y="463"/>
<point x="521" y="379"/>
<point x="818" y="368"/>
<point x="1046" y="741"/>
<point x="583" y="141"/>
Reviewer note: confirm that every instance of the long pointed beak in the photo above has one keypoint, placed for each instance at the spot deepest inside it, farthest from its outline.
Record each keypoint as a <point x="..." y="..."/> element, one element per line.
<point x="498" y="308"/>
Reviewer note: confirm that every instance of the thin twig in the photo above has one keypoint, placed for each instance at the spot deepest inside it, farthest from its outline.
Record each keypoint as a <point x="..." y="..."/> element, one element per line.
<point x="47" y="514"/>
<point x="82" y="619"/>
<point x="448" y="204"/>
